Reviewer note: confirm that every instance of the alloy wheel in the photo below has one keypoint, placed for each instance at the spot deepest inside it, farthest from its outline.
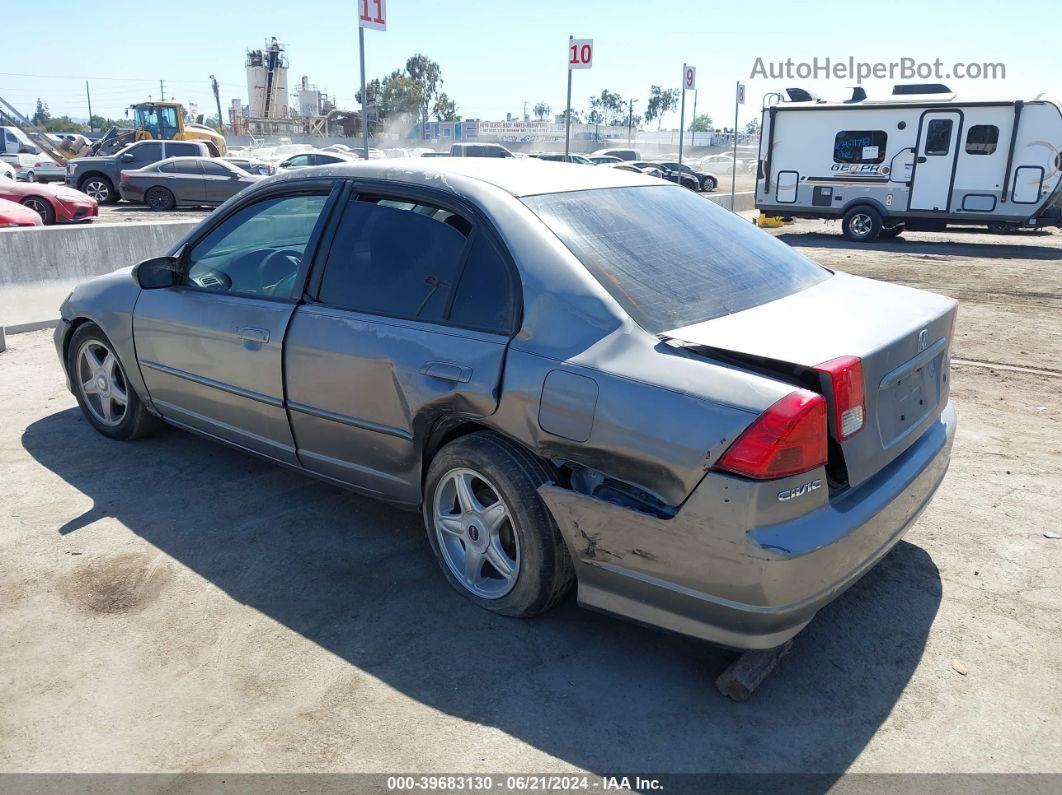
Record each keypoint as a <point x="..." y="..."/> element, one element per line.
<point x="97" y="189"/>
<point x="39" y="206"/>
<point x="102" y="383"/>
<point x="861" y="224"/>
<point x="474" y="528"/>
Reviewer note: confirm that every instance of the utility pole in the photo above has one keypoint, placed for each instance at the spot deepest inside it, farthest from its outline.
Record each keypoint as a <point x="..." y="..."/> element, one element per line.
<point x="162" y="91"/>
<point x="693" y="124"/>
<point x="364" y="96"/>
<point x="525" y="110"/>
<point x="88" y="96"/>
<point x="630" y="119"/>
<point x="217" y="101"/>
<point x="568" y="109"/>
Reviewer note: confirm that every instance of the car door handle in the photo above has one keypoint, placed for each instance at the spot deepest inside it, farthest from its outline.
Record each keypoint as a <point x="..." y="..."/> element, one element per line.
<point x="253" y="334"/>
<point x="446" y="371"/>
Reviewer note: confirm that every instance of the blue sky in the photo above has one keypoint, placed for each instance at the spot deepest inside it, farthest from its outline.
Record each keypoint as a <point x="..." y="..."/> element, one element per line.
<point x="494" y="55"/>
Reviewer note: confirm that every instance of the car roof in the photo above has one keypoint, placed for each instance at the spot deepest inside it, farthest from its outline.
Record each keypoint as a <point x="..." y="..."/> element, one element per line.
<point x="516" y="176"/>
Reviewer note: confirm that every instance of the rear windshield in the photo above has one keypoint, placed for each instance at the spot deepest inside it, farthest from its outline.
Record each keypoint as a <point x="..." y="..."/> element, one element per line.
<point x="671" y="258"/>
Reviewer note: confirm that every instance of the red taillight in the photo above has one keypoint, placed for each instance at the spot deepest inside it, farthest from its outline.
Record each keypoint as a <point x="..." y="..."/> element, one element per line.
<point x="849" y="397"/>
<point x="123" y="177"/>
<point x="788" y="438"/>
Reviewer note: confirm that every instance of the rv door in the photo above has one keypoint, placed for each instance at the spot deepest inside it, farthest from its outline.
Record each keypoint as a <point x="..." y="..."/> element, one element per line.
<point x="935" y="158"/>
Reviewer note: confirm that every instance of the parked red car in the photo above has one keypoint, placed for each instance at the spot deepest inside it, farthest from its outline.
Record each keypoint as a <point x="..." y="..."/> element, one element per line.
<point x="12" y="214"/>
<point x="55" y="204"/>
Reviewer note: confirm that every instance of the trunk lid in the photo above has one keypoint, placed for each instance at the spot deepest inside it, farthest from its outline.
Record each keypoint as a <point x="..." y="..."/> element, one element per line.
<point x="902" y="336"/>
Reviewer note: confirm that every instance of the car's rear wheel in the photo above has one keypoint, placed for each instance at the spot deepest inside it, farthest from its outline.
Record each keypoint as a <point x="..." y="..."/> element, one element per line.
<point x="31" y="177"/>
<point x="107" y="400"/>
<point x="709" y="184"/>
<point x="861" y="224"/>
<point x="492" y="535"/>
<point x="160" y="199"/>
<point x="42" y="207"/>
<point x="99" y="188"/>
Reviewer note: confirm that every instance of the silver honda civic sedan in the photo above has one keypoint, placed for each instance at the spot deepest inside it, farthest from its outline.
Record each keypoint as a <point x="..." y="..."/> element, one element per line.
<point x="577" y="375"/>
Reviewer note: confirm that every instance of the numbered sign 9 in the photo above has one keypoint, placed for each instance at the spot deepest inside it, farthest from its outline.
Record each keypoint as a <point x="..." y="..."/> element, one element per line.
<point x="580" y="53"/>
<point x="372" y="14"/>
<point x="689" y="77"/>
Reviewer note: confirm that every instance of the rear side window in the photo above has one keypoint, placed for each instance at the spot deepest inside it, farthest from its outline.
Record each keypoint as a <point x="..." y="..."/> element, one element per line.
<point x="860" y="146"/>
<point x="486" y="295"/>
<point x="146" y="153"/>
<point x="181" y="150"/>
<point x="395" y="258"/>
<point x="938" y="137"/>
<point x="982" y="139"/>
<point x="671" y="259"/>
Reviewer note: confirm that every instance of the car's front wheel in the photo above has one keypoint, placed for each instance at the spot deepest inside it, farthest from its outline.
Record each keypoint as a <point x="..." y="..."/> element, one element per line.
<point x="42" y="207"/>
<point x="492" y="535"/>
<point x="107" y="400"/>
<point x="709" y="184"/>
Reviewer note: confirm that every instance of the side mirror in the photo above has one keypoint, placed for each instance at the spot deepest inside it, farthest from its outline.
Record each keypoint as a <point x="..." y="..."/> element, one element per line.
<point x="127" y="158"/>
<point x="157" y="272"/>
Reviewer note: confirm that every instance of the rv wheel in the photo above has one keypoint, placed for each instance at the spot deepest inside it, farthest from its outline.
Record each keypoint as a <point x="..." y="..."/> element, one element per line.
<point x="861" y="224"/>
<point x="1002" y="229"/>
<point x="892" y="231"/>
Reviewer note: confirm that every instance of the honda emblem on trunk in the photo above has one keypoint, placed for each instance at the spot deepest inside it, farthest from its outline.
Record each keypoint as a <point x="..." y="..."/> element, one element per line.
<point x="923" y="339"/>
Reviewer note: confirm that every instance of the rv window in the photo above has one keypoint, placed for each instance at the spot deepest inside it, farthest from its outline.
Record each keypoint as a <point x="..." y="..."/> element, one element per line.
<point x="938" y="137"/>
<point x="860" y="146"/>
<point x="982" y="139"/>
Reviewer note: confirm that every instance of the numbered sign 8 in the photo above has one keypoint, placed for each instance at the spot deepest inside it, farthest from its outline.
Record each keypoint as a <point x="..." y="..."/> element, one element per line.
<point x="689" y="77"/>
<point x="372" y="14"/>
<point x="580" y="53"/>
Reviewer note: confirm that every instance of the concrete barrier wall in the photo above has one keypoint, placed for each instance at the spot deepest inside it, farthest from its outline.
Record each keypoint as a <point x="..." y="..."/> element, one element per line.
<point x="38" y="267"/>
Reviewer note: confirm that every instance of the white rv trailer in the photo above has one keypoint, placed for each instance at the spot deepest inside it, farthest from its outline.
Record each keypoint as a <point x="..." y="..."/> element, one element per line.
<point x="920" y="160"/>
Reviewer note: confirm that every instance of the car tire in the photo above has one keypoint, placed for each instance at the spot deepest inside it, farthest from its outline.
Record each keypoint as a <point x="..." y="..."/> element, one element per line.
<point x="31" y="177"/>
<point x="496" y="472"/>
<point x="89" y="365"/>
<point x="160" y="199"/>
<point x="1002" y="228"/>
<point x="709" y="184"/>
<point x="892" y="231"/>
<point x="42" y="207"/>
<point x="862" y="224"/>
<point x="99" y="188"/>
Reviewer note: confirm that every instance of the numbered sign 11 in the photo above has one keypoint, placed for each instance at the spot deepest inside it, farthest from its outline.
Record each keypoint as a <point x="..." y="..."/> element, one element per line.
<point x="372" y="14"/>
<point x="580" y="53"/>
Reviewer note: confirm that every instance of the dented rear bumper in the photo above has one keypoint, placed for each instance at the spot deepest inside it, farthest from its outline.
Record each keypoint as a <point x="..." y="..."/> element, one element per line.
<point x="717" y="572"/>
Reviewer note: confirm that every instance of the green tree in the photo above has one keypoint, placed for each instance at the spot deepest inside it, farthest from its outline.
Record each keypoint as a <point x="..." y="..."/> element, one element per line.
<point x="703" y="123"/>
<point x="402" y="95"/>
<point x="428" y="76"/>
<point x="445" y="109"/>
<point x="753" y="127"/>
<point x="661" y="100"/>
<point x="542" y="110"/>
<point x="41" y="115"/>
<point x="64" y="124"/>
<point x="612" y="108"/>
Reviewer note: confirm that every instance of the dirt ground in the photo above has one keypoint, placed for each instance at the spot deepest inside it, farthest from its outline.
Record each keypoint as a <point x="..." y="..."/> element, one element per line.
<point x="172" y="605"/>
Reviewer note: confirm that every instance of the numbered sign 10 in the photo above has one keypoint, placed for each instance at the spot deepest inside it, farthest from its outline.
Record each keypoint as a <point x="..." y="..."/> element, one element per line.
<point x="580" y="53"/>
<point x="372" y="14"/>
<point x="689" y="77"/>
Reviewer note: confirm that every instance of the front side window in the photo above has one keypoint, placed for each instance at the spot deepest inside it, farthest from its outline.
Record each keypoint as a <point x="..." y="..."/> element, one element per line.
<point x="859" y="146"/>
<point x="938" y="137"/>
<point x="181" y="149"/>
<point x="258" y="249"/>
<point x="982" y="139"/>
<point x="671" y="259"/>
<point x="395" y="258"/>
<point x="213" y="169"/>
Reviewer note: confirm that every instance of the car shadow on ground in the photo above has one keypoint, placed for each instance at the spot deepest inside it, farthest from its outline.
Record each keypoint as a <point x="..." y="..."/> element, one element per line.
<point x="910" y="244"/>
<point x="357" y="578"/>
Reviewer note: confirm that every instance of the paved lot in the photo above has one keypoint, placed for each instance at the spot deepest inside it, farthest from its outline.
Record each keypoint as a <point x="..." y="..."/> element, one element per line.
<point x="173" y="605"/>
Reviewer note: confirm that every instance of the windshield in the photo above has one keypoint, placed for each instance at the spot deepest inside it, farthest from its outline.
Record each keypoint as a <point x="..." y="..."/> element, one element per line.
<point x="671" y="258"/>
